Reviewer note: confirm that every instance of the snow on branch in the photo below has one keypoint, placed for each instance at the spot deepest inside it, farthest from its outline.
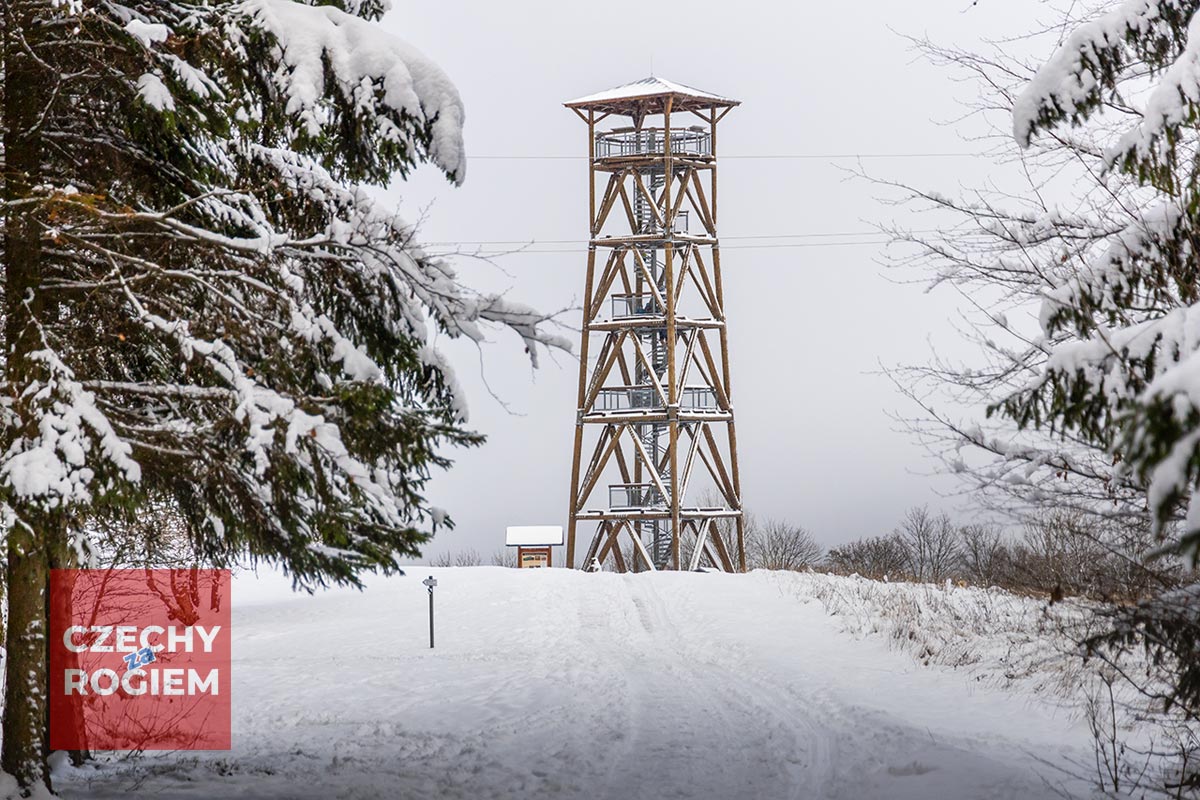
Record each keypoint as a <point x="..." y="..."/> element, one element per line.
<point x="57" y="466"/>
<point x="1106" y="282"/>
<point x="324" y="50"/>
<point x="1097" y="56"/>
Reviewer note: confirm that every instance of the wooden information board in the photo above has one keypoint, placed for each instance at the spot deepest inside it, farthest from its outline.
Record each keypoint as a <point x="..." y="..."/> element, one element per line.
<point x="528" y="557"/>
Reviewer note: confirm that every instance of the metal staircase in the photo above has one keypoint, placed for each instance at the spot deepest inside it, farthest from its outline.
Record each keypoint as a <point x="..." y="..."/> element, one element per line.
<point x="654" y="342"/>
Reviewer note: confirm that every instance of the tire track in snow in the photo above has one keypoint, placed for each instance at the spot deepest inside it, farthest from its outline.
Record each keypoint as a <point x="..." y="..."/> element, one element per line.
<point x="788" y="750"/>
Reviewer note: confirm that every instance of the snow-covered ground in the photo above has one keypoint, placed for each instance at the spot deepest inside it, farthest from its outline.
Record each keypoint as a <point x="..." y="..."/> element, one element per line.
<point x="553" y="683"/>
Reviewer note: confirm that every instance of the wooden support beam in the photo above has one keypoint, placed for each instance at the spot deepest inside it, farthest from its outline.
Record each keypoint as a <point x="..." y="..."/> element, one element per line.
<point x="641" y="187"/>
<point x="645" y="271"/>
<point x="698" y="550"/>
<point x="610" y="197"/>
<point x="594" y="546"/>
<point x="613" y="346"/>
<point x="623" y="366"/>
<point x="680" y="196"/>
<point x="572" y="519"/>
<point x="700" y="203"/>
<point x="594" y="462"/>
<point x="691" y="457"/>
<point x="604" y="533"/>
<point x="588" y="314"/>
<point x="640" y="547"/>
<point x="719" y="542"/>
<point x="612" y="269"/>
<point x="717" y="384"/>
<point x="651" y="467"/>
<point x="688" y="357"/>
<point x="622" y="465"/>
<point x="681" y="272"/>
<point x="663" y="394"/>
<point x="734" y="499"/>
<point x="737" y="488"/>
<point x="707" y="292"/>
<point x="723" y="486"/>
<point x="594" y="474"/>
<point x="618" y="556"/>
<point x="633" y="225"/>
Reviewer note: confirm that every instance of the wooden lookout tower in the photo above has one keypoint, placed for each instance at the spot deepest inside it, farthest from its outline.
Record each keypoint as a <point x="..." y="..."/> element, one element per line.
<point x="654" y="428"/>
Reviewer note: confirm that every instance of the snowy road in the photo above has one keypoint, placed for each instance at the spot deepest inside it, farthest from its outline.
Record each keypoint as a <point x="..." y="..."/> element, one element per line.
<point x="565" y="685"/>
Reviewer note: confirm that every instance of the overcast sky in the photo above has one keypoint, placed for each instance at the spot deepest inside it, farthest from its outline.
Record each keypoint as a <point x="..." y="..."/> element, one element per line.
<point x="809" y="326"/>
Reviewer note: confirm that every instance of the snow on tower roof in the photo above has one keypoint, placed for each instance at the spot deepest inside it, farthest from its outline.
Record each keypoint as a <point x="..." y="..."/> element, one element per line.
<point x="650" y="94"/>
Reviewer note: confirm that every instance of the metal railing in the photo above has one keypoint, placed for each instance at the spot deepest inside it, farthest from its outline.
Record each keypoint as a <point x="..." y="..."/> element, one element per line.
<point x="649" y="142"/>
<point x="635" y="305"/>
<point x="681" y="222"/>
<point x="643" y="398"/>
<point x="698" y="398"/>
<point x="628" y="398"/>
<point x="635" y="495"/>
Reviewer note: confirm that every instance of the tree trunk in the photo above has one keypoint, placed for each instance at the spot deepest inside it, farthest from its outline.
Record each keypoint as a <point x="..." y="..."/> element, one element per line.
<point x="62" y="556"/>
<point x="26" y="712"/>
<point x="27" y="84"/>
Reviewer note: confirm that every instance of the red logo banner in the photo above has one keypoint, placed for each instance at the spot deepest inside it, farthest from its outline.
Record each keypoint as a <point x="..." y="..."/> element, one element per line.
<point x="139" y="659"/>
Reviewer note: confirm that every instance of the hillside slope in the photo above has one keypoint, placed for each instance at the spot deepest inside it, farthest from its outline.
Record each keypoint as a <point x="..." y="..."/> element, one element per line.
<point x="569" y="685"/>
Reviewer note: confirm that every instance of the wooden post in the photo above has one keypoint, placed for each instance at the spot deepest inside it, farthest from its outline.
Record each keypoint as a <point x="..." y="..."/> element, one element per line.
<point x="712" y="143"/>
<point x="725" y="372"/>
<point x="588" y="312"/>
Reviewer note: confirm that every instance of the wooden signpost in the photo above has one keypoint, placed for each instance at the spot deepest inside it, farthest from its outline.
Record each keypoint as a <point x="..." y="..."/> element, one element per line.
<point x="429" y="583"/>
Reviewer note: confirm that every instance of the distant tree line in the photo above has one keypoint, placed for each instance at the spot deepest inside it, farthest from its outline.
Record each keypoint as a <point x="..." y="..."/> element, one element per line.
<point x="470" y="557"/>
<point x="1057" y="553"/>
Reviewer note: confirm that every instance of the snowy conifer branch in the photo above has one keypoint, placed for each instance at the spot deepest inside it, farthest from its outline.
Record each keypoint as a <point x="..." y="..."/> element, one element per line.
<point x="274" y="308"/>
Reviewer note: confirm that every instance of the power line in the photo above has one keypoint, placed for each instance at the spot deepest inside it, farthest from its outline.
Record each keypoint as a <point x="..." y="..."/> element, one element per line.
<point x="533" y="242"/>
<point x="782" y="156"/>
<point x="733" y="247"/>
<point x="724" y="238"/>
<point x="585" y="241"/>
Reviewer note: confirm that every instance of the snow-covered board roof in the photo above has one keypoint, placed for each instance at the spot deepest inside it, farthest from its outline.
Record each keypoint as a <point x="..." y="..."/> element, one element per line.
<point x="533" y="535"/>
<point x="650" y="93"/>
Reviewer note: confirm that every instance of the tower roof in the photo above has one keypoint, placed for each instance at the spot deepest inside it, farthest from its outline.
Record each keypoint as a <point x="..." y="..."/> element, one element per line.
<point x="649" y="95"/>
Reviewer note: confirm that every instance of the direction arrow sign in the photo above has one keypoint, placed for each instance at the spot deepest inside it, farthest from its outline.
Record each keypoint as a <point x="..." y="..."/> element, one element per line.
<point x="430" y="582"/>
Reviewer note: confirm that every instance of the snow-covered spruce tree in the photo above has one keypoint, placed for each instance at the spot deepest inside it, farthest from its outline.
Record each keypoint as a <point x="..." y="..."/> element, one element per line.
<point x="202" y="302"/>
<point x="1126" y="374"/>
<point x="1079" y="276"/>
<point x="1121" y="368"/>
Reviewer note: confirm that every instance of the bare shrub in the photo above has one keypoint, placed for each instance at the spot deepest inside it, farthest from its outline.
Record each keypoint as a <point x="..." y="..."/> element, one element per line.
<point x="1060" y="553"/>
<point x="879" y="557"/>
<point x="463" y="558"/>
<point x="985" y="556"/>
<point x="505" y="557"/>
<point x="781" y="545"/>
<point x="931" y="545"/>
